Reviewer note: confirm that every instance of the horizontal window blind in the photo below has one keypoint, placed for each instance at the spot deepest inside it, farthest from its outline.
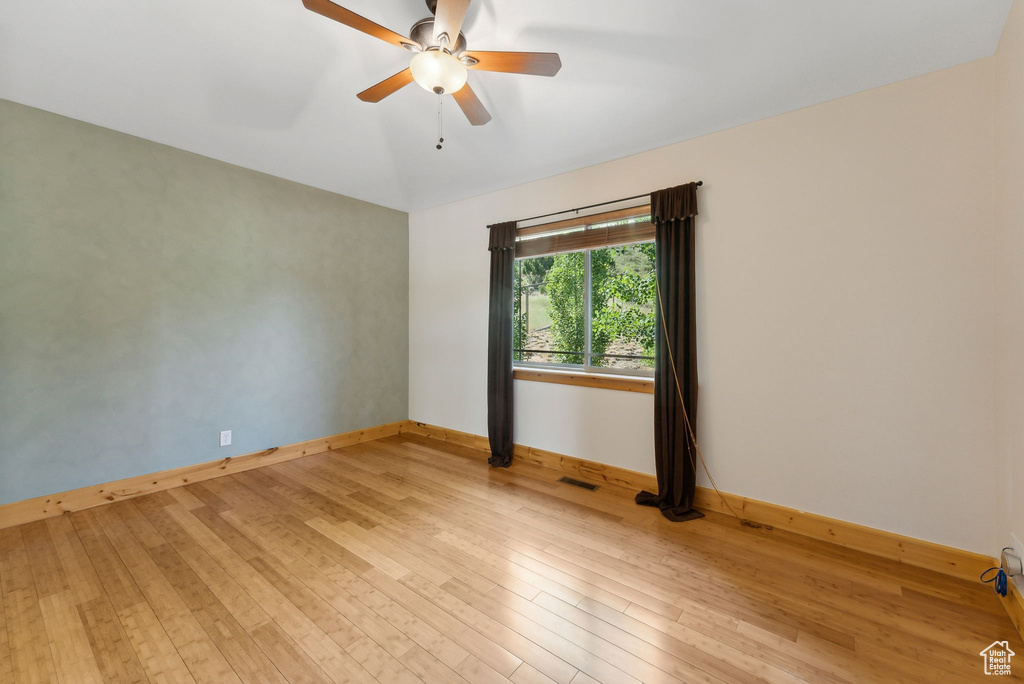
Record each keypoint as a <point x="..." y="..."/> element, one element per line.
<point x="581" y="221"/>
<point x="574" y="234"/>
<point x="592" y="238"/>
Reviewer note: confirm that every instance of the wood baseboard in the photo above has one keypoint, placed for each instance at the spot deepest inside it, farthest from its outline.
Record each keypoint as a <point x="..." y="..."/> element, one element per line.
<point x="589" y="469"/>
<point x="1013" y="602"/>
<point x="923" y="554"/>
<point x="948" y="560"/>
<point x="43" y="507"/>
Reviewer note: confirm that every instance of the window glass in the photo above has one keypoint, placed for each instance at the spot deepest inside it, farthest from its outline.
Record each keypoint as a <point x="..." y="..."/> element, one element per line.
<point x="550" y="309"/>
<point x="622" y="307"/>
<point x="592" y="309"/>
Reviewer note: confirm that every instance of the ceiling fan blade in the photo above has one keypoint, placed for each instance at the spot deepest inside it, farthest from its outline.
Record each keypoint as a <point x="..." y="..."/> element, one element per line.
<point x="386" y="87"/>
<point x="471" y="106"/>
<point x="349" y="18"/>
<point x="448" y="18"/>
<point x="535" y="63"/>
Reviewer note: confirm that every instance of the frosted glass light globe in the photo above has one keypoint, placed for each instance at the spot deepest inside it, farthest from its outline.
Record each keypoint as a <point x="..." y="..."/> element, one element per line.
<point x="438" y="72"/>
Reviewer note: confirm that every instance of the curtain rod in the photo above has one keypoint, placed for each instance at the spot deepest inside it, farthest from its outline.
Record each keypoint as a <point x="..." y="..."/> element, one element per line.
<point x="591" y="206"/>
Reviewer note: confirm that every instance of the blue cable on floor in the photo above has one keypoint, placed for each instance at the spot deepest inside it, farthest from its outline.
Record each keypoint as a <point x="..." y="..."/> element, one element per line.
<point x="999" y="581"/>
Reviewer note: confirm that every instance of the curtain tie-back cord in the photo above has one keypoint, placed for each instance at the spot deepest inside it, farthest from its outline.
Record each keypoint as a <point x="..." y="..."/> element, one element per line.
<point x="686" y="418"/>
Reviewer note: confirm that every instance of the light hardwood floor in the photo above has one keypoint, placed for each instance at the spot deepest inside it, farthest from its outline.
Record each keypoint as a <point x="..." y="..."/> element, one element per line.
<point x="404" y="560"/>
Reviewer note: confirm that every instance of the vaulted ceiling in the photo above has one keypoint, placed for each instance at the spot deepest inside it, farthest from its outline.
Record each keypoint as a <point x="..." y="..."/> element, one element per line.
<point x="269" y="85"/>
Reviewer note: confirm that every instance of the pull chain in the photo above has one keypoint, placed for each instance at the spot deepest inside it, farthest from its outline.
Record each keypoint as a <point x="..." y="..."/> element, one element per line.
<point x="440" y="137"/>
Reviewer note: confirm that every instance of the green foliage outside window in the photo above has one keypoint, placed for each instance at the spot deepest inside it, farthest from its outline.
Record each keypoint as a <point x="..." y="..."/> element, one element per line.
<point x="622" y="299"/>
<point x="519" y="321"/>
<point x="535" y="270"/>
<point x="568" y="314"/>
<point x="627" y="309"/>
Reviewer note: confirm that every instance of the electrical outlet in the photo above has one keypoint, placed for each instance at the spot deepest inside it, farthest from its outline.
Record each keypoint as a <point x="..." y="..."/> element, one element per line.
<point x="225" y="438"/>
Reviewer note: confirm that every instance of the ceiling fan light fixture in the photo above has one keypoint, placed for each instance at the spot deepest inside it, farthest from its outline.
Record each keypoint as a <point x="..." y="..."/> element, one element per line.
<point x="437" y="71"/>
<point x="441" y="63"/>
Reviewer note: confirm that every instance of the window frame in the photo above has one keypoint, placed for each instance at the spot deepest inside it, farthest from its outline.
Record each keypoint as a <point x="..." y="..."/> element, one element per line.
<point x="586" y="367"/>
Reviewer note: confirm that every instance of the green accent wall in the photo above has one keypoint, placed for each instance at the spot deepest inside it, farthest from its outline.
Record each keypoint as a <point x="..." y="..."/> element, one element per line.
<point x="150" y="298"/>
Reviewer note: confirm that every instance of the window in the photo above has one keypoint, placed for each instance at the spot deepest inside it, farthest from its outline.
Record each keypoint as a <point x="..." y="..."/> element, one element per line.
<point x="589" y="308"/>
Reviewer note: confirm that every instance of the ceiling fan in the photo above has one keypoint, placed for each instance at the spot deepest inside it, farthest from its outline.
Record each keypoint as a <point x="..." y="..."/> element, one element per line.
<point x="441" y="62"/>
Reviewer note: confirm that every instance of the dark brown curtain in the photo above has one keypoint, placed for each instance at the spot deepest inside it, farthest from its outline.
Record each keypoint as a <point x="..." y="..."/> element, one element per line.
<point x="499" y="344"/>
<point x="672" y="213"/>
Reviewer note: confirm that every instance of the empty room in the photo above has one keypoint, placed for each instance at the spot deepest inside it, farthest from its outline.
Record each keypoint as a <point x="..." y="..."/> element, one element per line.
<point x="448" y="341"/>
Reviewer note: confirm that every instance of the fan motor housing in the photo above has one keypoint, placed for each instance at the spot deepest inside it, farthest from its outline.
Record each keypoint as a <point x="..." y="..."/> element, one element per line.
<point x="423" y="33"/>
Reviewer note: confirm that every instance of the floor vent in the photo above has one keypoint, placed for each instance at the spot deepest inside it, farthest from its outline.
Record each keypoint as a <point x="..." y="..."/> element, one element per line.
<point x="578" y="483"/>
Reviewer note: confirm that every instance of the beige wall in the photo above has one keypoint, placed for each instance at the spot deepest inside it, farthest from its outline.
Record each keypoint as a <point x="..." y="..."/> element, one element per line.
<point x="845" y="310"/>
<point x="1009" y="259"/>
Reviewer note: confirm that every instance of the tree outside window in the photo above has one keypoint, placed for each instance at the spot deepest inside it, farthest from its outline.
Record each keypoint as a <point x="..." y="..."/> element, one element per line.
<point x="552" y="326"/>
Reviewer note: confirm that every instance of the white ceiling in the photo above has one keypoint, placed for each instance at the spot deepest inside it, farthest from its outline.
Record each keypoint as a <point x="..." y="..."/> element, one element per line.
<point x="269" y="85"/>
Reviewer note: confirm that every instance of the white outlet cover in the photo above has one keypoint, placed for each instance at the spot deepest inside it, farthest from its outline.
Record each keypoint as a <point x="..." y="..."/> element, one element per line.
<point x="1018" y="550"/>
<point x="225" y="438"/>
